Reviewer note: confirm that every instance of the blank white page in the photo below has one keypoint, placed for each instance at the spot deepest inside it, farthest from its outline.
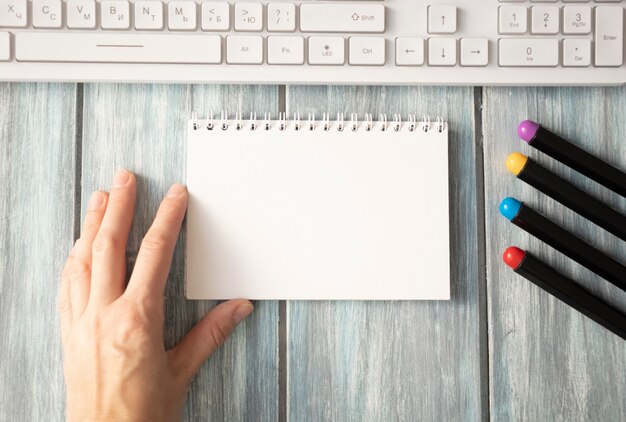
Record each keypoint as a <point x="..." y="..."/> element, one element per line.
<point x="317" y="214"/>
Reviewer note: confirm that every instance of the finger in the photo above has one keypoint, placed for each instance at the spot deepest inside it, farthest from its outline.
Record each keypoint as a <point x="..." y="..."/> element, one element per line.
<point x="81" y="279"/>
<point x="108" y="266"/>
<point x="155" y="255"/>
<point x="64" y="302"/>
<point x="206" y="336"/>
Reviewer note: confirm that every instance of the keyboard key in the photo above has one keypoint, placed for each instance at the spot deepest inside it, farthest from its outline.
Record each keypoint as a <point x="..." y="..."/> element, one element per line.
<point x="545" y="20"/>
<point x="81" y="14"/>
<point x="474" y="52"/>
<point x="244" y="49"/>
<point x="327" y="50"/>
<point x="442" y="51"/>
<point x="512" y="20"/>
<point x="577" y="20"/>
<point x="13" y="13"/>
<point x="441" y="19"/>
<point x="215" y="16"/>
<point x="330" y="17"/>
<point x="281" y="17"/>
<point x="285" y="50"/>
<point x="182" y="15"/>
<point x="535" y="52"/>
<point x="248" y="17"/>
<point x="117" y="48"/>
<point x="5" y="46"/>
<point x="576" y="52"/>
<point x="367" y="51"/>
<point x="609" y="36"/>
<point x="148" y="14"/>
<point x="115" y="14"/>
<point x="409" y="51"/>
<point x="47" y="14"/>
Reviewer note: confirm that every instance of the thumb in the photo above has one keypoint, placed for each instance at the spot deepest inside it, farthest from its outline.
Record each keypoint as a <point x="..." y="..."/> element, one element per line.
<point x="207" y="336"/>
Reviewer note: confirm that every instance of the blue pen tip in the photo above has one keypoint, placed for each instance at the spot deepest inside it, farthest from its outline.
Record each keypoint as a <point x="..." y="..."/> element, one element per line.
<point x="509" y="207"/>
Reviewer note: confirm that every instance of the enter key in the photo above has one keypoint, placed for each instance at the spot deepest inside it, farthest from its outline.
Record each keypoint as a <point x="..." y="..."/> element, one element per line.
<point x="609" y="36"/>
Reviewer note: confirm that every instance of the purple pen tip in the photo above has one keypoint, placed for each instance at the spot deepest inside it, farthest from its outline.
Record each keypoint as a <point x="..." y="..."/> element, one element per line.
<point x="527" y="130"/>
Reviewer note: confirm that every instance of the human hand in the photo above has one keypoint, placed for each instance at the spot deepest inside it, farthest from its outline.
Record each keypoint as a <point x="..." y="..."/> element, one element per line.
<point x="115" y="362"/>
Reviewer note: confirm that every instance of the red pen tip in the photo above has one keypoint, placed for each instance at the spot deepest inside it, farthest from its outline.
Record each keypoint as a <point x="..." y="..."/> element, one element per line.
<point x="513" y="257"/>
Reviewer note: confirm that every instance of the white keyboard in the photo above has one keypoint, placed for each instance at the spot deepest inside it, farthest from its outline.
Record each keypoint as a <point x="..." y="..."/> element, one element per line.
<point x="434" y="42"/>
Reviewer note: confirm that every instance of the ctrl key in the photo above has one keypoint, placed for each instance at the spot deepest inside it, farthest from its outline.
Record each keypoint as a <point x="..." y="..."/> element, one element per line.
<point x="5" y="46"/>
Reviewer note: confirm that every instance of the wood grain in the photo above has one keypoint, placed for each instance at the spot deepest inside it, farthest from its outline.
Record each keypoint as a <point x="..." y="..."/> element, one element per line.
<point x="143" y="128"/>
<point x="37" y="163"/>
<point x="397" y="360"/>
<point x="547" y="361"/>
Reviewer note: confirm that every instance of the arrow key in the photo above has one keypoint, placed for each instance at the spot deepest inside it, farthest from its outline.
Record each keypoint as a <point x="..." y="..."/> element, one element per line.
<point x="474" y="52"/>
<point x="409" y="51"/>
<point x="442" y="51"/>
<point x="442" y="19"/>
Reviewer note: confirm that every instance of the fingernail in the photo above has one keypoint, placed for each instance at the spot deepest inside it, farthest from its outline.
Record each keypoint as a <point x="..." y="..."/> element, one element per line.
<point x="242" y="311"/>
<point x="95" y="202"/>
<point x="121" y="178"/>
<point x="176" y="190"/>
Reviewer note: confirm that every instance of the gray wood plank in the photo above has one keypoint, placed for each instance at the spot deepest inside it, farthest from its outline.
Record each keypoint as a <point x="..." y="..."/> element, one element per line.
<point x="547" y="361"/>
<point x="37" y="164"/>
<point x="143" y="128"/>
<point x="397" y="360"/>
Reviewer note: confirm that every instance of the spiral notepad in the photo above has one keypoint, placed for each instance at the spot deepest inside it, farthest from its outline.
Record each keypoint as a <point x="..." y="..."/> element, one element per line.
<point x="318" y="208"/>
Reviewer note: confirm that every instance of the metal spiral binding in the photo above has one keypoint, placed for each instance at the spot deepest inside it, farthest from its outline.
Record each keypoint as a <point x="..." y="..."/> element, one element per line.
<point x="296" y="121"/>
<point x="326" y="121"/>
<point x="266" y="121"/>
<point x="224" y="120"/>
<point x="367" y="123"/>
<point x="397" y="122"/>
<point x="382" y="119"/>
<point x="354" y="122"/>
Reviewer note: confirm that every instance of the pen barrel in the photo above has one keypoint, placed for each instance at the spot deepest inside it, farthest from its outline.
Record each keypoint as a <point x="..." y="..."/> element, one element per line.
<point x="571" y="246"/>
<point x="580" y="160"/>
<point x="571" y="293"/>
<point x="574" y="198"/>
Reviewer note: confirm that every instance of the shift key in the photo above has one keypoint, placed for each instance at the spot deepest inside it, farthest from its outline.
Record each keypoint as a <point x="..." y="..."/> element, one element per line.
<point x="353" y="17"/>
<point x="5" y="46"/>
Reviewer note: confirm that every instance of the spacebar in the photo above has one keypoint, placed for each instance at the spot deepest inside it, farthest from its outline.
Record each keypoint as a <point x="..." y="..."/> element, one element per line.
<point x="117" y="48"/>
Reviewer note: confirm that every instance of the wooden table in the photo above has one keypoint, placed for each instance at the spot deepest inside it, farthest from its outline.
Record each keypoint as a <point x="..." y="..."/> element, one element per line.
<point x="501" y="349"/>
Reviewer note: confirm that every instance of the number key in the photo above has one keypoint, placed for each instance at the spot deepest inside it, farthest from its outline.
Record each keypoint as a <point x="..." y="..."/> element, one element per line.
<point x="545" y="20"/>
<point x="512" y="20"/>
<point x="576" y="19"/>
